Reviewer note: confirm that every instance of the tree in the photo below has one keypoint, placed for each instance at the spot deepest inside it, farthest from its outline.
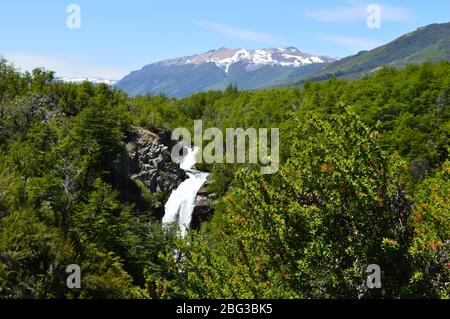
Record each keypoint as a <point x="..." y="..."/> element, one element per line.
<point x="429" y="249"/>
<point x="309" y="232"/>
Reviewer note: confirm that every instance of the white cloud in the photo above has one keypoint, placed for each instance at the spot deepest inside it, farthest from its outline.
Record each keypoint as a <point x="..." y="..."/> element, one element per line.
<point x="352" y="13"/>
<point x="239" y="34"/>
<point x="354" y="43"/>
<point x="64" y="65"/>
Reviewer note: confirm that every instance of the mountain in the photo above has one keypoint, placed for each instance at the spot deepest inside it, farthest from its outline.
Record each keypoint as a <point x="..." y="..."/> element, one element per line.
<point x="216" y="69"/>
<point x="427" y="43"/>
<point x="264" y="68"/>
<point x="89" y="79"/>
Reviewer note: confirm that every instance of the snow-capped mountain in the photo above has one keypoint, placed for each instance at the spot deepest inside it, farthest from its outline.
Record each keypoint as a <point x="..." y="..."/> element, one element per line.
<point x="89" y="79"/>
<point x="215" y="70"/>
<point x="224" y="58"/>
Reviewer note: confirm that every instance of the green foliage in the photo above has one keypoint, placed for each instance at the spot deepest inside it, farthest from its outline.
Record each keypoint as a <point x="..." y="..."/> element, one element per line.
<point x="411" y="104"/>
<point x="358" y="185"/>
<point x="309" y="232"/>
<point x="58" y="142"/>
<point x="32" y="257"/>
<point x="430" y="245"/>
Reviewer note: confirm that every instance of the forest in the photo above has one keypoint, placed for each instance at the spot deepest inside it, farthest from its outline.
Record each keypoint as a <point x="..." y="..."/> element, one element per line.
<point x="364" y="179"/>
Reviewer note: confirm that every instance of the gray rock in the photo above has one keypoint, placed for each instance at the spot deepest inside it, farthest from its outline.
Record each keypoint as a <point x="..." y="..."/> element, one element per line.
<point x="149" y="160"/>
<point x="204" y="208"/>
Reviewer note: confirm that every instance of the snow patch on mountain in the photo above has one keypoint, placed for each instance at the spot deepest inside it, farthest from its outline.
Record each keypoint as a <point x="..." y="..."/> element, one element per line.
<point x="224" y="58"/>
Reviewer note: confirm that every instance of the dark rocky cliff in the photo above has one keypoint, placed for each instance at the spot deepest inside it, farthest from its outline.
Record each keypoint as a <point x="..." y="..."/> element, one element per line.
<point x="148" y="161"/>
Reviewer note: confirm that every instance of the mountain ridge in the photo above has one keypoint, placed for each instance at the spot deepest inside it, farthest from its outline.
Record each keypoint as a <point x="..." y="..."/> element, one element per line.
<point x="252" y="69"/>
<point x="428" y="43"/>
<point x="216" y="69"/>
<point x="224" y="57"/>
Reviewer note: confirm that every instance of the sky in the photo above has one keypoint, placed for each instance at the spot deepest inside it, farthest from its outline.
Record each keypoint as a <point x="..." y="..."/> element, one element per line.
<point x="117" y="36"/>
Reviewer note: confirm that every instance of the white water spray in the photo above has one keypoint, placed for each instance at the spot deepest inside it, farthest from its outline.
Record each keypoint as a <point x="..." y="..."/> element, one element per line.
<point x="181" y="203"/>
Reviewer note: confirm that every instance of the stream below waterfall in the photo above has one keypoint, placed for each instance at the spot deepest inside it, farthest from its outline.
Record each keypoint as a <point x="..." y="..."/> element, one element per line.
<point x="181" y="203"/>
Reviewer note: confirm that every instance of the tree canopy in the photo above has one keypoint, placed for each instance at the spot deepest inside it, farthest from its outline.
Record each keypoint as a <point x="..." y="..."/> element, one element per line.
<point x="364" y="179"/>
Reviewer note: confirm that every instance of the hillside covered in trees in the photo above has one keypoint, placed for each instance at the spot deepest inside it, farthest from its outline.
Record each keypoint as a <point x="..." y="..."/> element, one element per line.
<point x="364" y="179"/>
<point x="428" y="43"/>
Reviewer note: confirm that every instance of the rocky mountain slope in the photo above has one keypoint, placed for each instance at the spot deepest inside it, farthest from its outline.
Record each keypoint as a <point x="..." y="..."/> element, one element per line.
<point x="431" y="43"/>
<point x="216" y="69"/>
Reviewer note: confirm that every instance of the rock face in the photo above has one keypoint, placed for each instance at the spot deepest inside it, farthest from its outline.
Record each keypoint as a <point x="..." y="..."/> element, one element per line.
<point x="204" y="208"/>
<point x="149" y="160"/>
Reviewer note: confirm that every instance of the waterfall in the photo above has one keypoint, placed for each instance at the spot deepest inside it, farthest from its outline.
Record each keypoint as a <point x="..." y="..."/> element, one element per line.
<point x="181" y="203"/>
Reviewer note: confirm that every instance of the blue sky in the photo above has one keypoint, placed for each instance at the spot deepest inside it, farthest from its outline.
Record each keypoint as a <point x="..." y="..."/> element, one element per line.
<point x="118" y="36"/>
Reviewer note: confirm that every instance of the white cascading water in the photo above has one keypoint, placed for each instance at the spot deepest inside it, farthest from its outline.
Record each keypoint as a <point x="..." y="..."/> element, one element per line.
<point x="181" y="203"/>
